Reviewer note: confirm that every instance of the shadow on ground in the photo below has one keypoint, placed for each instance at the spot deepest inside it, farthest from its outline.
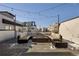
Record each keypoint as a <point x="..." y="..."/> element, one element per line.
<point x="48" y="54"/>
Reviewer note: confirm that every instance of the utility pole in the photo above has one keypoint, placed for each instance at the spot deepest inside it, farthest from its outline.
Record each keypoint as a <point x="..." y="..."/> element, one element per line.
<point x="58" y="28"/>
<point x="58" y="23"/>
<point x="15" y="34"/>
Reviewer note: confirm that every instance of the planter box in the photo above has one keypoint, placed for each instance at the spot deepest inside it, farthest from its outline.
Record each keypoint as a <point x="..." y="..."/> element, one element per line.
<point x="61" y="45"/>
<point x="22" y="41"/>
<point x="41" y="40"/>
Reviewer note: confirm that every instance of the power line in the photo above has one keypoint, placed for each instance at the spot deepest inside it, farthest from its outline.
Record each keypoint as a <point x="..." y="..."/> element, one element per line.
<point x="46" y="15"/>
<point x="52" y="8"/>
<point x="16" y="9"/>
<point x="12" y="9"/>
<point x="39" y="13"/>
<point x="32" y="17"/>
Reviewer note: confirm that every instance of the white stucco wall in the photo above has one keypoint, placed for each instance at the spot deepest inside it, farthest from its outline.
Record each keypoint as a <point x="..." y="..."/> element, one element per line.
<point x="6" y="35"/>
<point x="70" y="30"/>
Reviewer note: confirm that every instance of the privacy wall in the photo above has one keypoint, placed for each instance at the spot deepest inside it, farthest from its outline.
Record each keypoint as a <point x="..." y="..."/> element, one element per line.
<point x="70" y="30"/>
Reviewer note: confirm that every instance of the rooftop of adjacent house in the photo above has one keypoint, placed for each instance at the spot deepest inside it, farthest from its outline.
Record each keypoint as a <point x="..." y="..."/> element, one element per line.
<point x="29" y="23"/>
<point x="6" y="12"/>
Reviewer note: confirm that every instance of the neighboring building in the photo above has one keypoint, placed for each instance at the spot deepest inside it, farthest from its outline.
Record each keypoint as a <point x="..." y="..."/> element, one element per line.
<point x="69" y="30"/>
<point x="7" y="22"/>
<point x="30" y="26"/>
<point x="53" y="28"/>
<point x="19" y="26"/>
<point x="44" y="29"/>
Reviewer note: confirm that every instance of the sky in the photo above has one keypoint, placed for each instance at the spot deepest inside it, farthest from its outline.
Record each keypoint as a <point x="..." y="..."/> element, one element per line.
<point x="44" y="14"/>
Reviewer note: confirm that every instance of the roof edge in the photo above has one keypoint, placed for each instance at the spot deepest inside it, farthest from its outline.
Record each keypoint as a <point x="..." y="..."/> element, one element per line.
<point x="7" y="12"/>
<point x="70" y="19"/>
